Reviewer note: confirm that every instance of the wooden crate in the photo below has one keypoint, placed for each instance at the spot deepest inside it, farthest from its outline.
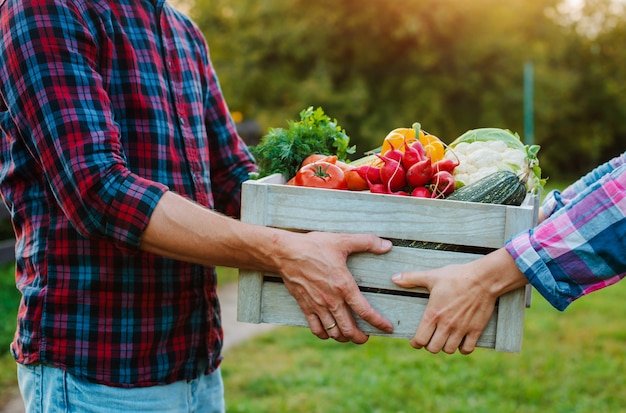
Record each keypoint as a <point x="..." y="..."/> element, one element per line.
<point x="263" y="298"/>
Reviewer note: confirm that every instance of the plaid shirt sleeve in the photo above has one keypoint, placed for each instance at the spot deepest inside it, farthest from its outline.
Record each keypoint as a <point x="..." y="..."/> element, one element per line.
<point x="61" y="112"/>
<point x="581" y="246"/>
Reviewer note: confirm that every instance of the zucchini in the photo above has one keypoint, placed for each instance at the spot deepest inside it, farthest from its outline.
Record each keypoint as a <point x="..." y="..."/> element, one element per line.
<point x="502" y="187"/>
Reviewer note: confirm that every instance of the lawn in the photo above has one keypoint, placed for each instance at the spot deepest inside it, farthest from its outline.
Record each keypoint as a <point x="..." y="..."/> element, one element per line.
<point x="570" y="362"/>
<point x="9" y="298"/>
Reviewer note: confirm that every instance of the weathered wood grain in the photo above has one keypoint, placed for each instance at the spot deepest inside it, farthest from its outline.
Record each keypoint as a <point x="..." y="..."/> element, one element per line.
<point x="270" y="203"/>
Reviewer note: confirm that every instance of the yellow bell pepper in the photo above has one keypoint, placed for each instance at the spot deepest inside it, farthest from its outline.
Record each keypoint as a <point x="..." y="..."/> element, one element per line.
<point x="396" y="139"/>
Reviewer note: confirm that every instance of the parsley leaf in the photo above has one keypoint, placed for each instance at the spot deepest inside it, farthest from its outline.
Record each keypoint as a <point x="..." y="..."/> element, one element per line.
<point x="283" y="150"/>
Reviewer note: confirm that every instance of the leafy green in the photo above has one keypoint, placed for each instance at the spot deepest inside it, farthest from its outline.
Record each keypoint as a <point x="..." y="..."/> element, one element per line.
<point x="283" y="150"/>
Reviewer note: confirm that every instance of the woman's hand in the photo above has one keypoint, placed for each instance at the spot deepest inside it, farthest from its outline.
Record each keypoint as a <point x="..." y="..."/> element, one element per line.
<point x="462" y="300"/>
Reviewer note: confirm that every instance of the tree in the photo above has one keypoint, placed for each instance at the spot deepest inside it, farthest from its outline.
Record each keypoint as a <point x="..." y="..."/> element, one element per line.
<point x="450" y="65"/>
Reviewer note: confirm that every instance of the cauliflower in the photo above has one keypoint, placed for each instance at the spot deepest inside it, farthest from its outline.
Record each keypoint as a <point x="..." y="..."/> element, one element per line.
<point x="481" y="152"/>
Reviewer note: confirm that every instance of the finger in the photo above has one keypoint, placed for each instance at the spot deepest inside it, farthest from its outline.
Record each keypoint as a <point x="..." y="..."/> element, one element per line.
<point x="364" y="310"/>
<point x="468" y="345"/>
<point x="437" y="341"/>
<point x="367" y="243"/>
<point x="453" y="343"/>
<point x="317" y="328"/>
<point x="411" y="279"/>
<point x="425" y="330"/>
<point x="334" y="331"/>
<point x="337" y="335"/>
<point x="327" y="329"/>
<point x="346" y="326"/>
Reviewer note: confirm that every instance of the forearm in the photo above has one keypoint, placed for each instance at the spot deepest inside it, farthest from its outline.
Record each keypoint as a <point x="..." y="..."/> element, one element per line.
<point x="184" y="230"/>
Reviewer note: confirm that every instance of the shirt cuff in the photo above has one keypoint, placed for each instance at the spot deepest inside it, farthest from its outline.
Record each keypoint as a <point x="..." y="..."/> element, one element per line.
<point x="551" y="202"/>
<point x="130" y="212"/>
<point x="530" y="263"/>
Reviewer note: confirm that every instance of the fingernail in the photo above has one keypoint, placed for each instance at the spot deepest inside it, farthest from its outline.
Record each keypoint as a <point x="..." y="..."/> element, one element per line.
<point x="386" y="243"/>
<point x="396" y="277"/>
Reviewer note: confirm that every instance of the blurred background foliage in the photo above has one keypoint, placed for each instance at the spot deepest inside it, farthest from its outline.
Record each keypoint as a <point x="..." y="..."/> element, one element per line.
<point x="452" y="65"/>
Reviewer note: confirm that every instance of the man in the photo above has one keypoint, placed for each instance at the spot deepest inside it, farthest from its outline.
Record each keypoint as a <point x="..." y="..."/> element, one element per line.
<point x="118" y="151"/>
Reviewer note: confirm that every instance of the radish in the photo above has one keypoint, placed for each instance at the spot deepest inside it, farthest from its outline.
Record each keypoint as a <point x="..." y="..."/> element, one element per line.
<point x="417" y="145"/>
<point x="394" y="153"/>
<point x="382" y="189"/>
<point x="442" y="184"/>
<point x="445" y="165"/>
<point x="420" y="173"/>
<point x="392" y="174"/>
<point x="378" y="188"/>
<point x="421" y="192"/>
<point x="411" y="155"/>
<point x="370" y="173"/>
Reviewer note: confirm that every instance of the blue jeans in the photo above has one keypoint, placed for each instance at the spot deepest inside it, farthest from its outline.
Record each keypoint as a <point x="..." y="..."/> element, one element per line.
<point x="48" y="389"/>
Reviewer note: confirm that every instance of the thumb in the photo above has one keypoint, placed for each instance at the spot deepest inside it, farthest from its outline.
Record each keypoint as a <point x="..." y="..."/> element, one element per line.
<point x="368" y="243"/>
<point x="410" y="279"/>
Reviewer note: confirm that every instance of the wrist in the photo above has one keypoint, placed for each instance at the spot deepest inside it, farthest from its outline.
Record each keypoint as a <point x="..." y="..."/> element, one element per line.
<point x="498" y="273"/>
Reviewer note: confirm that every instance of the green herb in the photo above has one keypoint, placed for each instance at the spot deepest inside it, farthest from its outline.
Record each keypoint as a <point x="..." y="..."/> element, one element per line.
<point x="283" y="150"/>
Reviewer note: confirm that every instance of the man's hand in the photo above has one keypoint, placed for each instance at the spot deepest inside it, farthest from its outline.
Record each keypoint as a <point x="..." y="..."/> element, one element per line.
<point x="462" y="299"/>
<point x="312" y="265"/>
<point x="317" y="276"/>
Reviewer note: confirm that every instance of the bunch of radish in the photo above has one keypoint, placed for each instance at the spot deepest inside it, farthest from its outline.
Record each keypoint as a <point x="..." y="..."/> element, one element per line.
<point x="410" y="172"/>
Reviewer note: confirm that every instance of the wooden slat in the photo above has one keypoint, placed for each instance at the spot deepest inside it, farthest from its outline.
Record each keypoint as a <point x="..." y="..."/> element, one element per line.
<point x="253" y="211"/>
<point x="375" y="271"/>
<point x="510" y="324"/>
<point x="405" y="313"/>
<point x="388" y="216"/>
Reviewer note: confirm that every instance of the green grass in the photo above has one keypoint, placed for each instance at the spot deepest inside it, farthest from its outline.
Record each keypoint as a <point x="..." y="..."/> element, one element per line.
<point x="9" y="299"/>
<point x="570" y="362"/>
<point x="227" y="275"/>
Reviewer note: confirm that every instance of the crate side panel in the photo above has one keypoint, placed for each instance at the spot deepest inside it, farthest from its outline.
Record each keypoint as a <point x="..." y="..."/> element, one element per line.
<point x="250" y="283"/>
<point x="254" y="202"/>
<point x="372" y="271"/>
<point x="279" y="307"/>
<point x="517" y="220"/>
<point x="388" y="216"/>
<point x="510" y="323"/>
<point x="249" y="292"/>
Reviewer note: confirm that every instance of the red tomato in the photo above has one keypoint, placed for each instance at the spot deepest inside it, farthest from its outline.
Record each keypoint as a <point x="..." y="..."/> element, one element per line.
<point x="321" y="175"/>
<point x="317" y="157"/>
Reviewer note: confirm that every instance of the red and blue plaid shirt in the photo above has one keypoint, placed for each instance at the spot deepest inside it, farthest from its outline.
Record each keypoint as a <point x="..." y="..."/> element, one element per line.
<point x="104" y="106"/>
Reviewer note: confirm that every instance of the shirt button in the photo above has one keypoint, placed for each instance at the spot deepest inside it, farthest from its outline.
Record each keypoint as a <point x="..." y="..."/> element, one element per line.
<point x="182" y="121"/>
